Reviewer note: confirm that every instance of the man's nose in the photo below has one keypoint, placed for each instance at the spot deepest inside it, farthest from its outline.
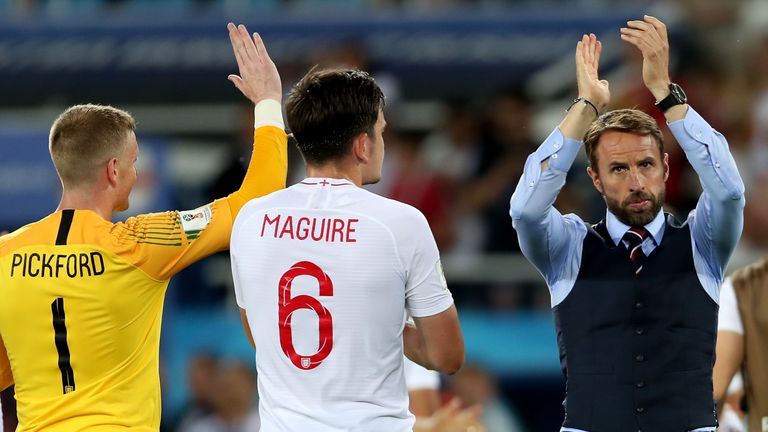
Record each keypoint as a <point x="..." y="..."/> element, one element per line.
<point x="635" y="181"/>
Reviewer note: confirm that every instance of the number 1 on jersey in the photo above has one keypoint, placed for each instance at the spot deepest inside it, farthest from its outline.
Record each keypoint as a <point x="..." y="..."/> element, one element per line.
<point x="288" y="305"/>
<point x="60" y="330"/>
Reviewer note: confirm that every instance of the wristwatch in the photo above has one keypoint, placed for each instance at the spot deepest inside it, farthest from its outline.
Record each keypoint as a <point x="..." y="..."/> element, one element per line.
<point x="676" y="97"/>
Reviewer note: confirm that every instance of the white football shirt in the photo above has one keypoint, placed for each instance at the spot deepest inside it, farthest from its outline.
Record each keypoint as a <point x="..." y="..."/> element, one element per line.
<point x="325" y="270"/>
<point x="417" y="377"/>
<point x="729" y="317"/>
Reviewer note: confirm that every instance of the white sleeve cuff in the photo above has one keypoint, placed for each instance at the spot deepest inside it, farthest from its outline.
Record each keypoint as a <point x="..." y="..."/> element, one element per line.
<point x="268" y="112"/>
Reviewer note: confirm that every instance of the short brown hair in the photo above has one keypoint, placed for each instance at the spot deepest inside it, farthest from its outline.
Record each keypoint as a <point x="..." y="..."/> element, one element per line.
<point x="86" y="136"/>
<point x="623" y="120"/>
<point x="328" y="108"/>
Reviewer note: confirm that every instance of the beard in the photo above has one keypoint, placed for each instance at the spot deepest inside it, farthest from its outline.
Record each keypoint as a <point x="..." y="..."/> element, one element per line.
<point x="636" y="217"/>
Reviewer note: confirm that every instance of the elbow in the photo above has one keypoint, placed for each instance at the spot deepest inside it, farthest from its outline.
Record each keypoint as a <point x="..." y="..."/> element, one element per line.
<point x="741" y="200"/>
<point x="523" y="215"/>
<point x="733" y="194"/>
<point x="450" y="362"/>
<point x="736" y="193"/>
<point x="523" y="211"/>
<point x="517" y="210"/>
<point x="734" y="199"/>
<point x="454" y="366"/>
<point x="517" y="205"/>
<point x="728" y="195"/>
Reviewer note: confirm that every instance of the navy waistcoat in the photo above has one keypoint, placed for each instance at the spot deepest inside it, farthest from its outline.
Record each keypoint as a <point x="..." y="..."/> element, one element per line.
<point x="637" y="351"/>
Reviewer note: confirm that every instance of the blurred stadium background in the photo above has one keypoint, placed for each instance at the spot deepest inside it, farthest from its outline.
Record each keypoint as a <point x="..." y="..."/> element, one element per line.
<point x="472" y="88"/>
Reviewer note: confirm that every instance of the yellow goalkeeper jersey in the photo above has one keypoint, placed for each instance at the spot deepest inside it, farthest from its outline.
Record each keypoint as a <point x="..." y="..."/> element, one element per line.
<point x="81" y="300"/>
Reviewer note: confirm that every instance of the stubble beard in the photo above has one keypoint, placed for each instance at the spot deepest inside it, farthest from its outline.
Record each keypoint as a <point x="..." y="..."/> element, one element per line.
<point x="631" y="217"/>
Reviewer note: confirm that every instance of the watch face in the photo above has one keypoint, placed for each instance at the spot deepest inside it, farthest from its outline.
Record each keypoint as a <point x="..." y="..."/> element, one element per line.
<point x="678" y="93"/>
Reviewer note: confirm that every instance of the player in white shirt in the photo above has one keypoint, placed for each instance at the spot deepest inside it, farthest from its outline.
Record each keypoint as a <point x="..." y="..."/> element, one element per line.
<point x="742" y="324"/>
<point x="324" y="271"/>
<point x="423" y="389"/>
<point x="730" y="333"/>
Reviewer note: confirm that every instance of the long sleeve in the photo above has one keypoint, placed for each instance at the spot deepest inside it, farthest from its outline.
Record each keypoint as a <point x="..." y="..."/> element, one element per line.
<point x="268" y="168"/>
<point x="718" y="219"/>
<point x="166" y="243"/>
<point x="551" y="241"/>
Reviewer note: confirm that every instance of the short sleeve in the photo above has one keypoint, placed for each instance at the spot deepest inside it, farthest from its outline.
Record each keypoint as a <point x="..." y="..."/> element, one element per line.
<point x="426" y="290"/>
<point x="729" y="318"/>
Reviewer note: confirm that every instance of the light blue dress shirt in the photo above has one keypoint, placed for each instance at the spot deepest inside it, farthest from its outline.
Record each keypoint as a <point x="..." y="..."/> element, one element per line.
<point x="553" y="242"/>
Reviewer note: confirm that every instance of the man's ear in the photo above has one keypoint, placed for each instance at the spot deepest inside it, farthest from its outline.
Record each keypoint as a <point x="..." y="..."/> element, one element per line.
<point x="666" y="166"/>
<point x="360" y="149"/>
<point x="595" y="179"/>
<point x="112" y="167"/>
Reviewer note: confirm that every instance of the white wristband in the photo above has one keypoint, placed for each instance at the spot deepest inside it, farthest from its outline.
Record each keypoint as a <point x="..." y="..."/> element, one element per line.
<point x="268" y="112"/>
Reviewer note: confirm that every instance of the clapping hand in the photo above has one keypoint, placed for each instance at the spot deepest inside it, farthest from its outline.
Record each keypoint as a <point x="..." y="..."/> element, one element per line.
<point x="591" y="87"/>
<point x="650" y="37"/>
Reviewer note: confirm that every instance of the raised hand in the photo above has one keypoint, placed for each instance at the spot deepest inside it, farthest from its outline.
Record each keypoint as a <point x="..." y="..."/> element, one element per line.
<point x="258" y="79"/>
<point x="650" y="37"/>
<point x="591" y="87"/>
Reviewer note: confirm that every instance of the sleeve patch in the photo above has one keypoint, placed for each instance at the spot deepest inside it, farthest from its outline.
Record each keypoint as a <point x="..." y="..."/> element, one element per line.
<point x="442" y="275"/>
<point x="194" y="221"/>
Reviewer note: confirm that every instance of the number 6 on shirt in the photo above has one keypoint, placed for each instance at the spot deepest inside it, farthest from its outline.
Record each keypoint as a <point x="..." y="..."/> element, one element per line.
<point x="288" y="305"/>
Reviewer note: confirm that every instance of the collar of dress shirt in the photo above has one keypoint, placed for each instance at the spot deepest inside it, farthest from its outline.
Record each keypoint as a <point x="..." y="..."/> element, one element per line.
<point x="617" y="229"/>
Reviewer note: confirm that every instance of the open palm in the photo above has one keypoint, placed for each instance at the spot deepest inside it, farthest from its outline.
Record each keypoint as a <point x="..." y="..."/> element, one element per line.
<point x="591" y="87"/>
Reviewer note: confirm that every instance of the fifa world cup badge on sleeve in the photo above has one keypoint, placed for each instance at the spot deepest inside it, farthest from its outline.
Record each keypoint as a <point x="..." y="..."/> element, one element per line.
<point x="442" y="275"/>
<point x="195" y="220"/>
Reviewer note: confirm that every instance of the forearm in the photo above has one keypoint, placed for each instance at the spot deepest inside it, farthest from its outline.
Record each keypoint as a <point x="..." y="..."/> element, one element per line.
<point x="415" y="348"/>
<point x="730" y="355"/>
<point x="719" y="213"/>
<point x="531" y="207"/>
<point x="268" y="166"/>
<point x="578" y="119"/>
<point x="708" y="153"/>
<point x="543" y="176"/>
<point x="423" y="402"/>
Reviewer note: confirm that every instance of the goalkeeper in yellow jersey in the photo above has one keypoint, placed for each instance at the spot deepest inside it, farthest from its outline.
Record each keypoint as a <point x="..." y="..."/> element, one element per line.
<point x="81" y="297"/>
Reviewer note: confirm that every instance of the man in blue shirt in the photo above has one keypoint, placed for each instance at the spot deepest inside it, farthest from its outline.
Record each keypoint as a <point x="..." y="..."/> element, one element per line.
<point x="634" y="296"/>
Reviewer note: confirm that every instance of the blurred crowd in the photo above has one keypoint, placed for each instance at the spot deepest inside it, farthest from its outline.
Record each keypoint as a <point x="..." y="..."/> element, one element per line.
<point x="222" y="397"/>
<point x="21" y="8"/>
